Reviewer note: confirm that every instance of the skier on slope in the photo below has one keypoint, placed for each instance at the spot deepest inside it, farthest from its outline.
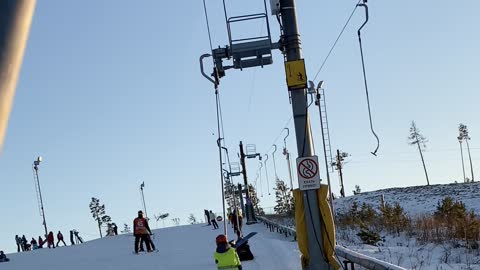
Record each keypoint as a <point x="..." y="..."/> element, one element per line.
<point x="207" y="215"/>
<point x="237" y="226"/>
<point x="225" y="256"/>
<point x="24" y="243"/>
<point x="50" y="240"/>
<point x="60" y="239"/>
<point x="213" y="219"/>
<point x="18" y="240"/>
<point x="71" y="239"/>
<point x="142" y="231"/>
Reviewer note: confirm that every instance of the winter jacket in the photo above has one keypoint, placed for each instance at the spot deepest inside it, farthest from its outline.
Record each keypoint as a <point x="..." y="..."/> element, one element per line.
<point x="3" y="258"/>
<point x="50" y="238"/>
<point x="211" y="215"/>
<point x="227" y="258"/>
<point x="34" y="244"/>
<point x="140" y="226"/>
<point x="59" y="236"/>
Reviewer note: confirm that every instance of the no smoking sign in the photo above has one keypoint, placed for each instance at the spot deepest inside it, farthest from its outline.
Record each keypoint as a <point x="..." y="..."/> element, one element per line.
<point x="307" y="171"/>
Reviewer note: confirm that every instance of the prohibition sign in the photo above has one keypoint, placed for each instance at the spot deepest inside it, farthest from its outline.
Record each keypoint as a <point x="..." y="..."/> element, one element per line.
<point x="308" y="168"/>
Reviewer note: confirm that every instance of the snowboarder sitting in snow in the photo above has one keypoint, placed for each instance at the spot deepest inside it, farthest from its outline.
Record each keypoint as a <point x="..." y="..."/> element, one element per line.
<point x="225" y="256"/>
<point x="34" y="244"/>
<point x="142" y="231"/>
<point x="3" y="257"/>
<point x="40" y="242"/>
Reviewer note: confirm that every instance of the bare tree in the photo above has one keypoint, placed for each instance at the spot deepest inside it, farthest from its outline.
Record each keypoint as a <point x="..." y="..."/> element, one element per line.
<point x="463" y="136"/>
<point x="418" y="139"/>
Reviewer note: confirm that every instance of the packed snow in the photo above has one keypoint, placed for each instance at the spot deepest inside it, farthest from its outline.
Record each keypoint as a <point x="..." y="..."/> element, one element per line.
<point x="181" y="247"/>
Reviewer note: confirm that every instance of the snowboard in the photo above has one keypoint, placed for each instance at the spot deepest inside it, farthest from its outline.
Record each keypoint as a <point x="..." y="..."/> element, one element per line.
<point x="244" y="240"/>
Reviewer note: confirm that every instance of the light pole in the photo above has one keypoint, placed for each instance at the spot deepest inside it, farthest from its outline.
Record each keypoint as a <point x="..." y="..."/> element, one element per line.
<point x="35" y="165"/>
<point x="143" y="199"/>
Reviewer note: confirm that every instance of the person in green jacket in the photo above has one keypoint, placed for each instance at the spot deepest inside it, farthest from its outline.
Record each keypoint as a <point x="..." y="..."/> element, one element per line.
<point x="225" y="256"/>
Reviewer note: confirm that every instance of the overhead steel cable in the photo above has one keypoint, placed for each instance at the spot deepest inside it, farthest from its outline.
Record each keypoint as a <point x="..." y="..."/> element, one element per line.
<point x="336" y="40"/>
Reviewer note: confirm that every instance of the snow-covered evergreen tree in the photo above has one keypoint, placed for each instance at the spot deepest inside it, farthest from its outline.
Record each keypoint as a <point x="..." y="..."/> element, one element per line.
<point x="284" y="199"/>
<point x="255" y="201"/>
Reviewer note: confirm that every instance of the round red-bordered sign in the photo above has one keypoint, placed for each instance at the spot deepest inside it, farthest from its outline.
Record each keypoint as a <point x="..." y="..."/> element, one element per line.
<point x="308" y="168"/>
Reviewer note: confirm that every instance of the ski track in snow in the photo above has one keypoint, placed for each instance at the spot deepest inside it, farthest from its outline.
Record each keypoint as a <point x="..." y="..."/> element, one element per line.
<point x="181" y="247"/>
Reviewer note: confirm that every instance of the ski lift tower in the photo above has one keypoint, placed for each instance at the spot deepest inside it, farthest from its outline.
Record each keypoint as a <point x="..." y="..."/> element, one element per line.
<point x="257" y="52"/>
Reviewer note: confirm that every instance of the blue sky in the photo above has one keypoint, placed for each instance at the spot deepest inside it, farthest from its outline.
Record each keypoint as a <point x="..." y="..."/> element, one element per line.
<point x="110" y="95"/>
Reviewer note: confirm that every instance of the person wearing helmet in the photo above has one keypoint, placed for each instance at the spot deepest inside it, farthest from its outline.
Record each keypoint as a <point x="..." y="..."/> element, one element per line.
<point x="225" y="256"/>
<point x="142" y="231"/>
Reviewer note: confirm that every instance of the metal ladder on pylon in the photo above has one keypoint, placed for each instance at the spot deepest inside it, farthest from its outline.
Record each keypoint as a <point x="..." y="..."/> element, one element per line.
<point x="326" y="132"/>
<point x="37" y="190"/>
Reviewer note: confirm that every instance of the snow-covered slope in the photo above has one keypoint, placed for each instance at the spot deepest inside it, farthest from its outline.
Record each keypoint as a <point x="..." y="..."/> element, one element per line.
<point x="417" y="200"/>
<point x="182" y="247"/>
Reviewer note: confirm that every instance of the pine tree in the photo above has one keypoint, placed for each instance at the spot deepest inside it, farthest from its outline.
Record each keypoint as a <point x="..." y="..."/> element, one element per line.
<point x="418" y="139"/>
<point x="357" y="190"/>
<point x="126" y="228"/>
<point x="255" y="201"/>
<point x="98" y="214"/>
<point x="192" y="219"/>
<point x="463" y="136"/>
<point x="284" y="199"/>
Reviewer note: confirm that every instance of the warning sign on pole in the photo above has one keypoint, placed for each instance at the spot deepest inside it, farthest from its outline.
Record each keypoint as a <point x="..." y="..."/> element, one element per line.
<point x="308" y="174"/>
<point x="296" y="74"/>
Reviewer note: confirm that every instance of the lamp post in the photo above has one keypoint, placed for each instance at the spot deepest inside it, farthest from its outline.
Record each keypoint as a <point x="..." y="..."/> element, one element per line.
<point x="143" y="199"/>
<point x="36" y="163"/>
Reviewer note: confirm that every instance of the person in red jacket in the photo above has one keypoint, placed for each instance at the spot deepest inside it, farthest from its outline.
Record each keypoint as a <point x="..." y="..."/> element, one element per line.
<point x="60" y="239"/>
<point x="142" y="231"/>
<point x="50" y="240"/>
<point x="40" y="242"/>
